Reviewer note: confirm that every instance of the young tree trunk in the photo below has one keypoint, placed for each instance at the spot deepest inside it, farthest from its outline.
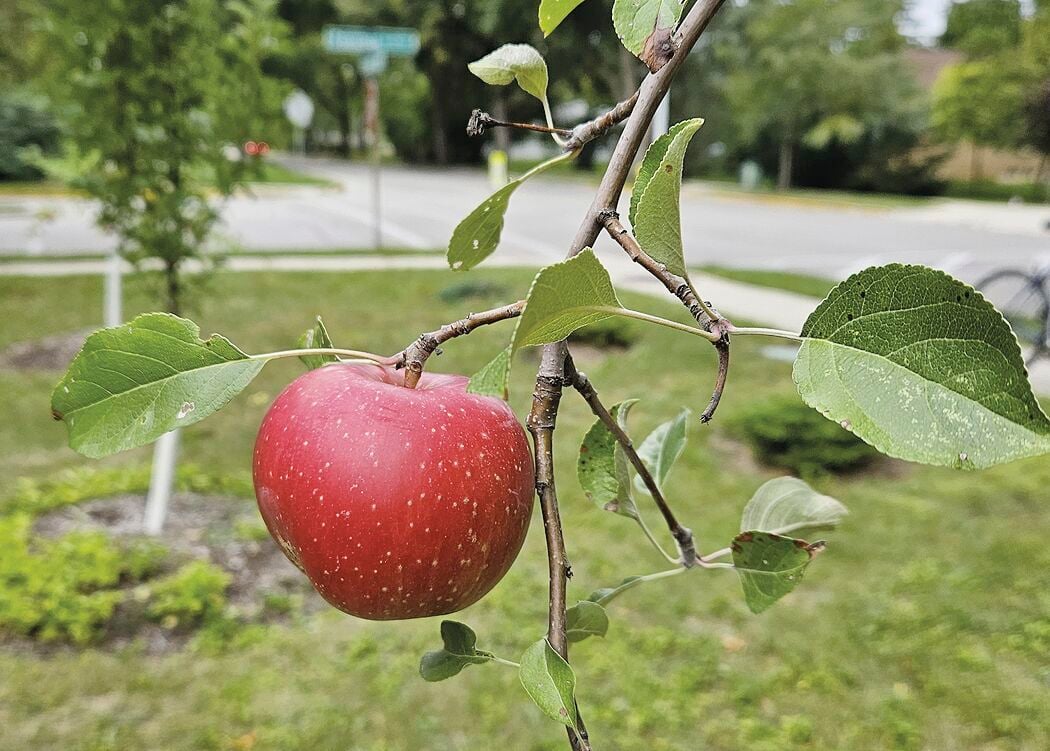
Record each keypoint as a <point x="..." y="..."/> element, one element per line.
<point x="975" y="162"/>
<point x="437" y="128"/>
<point x="173" y="288"/>
<point x="786" y="164"/>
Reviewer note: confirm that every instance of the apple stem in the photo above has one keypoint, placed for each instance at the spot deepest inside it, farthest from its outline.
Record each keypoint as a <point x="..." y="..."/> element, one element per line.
<point x="414" y="357"/>
<point x="306" y="352"/>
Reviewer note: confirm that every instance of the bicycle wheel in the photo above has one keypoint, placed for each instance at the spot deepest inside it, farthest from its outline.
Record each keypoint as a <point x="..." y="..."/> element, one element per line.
<point x="1024" y="303"/>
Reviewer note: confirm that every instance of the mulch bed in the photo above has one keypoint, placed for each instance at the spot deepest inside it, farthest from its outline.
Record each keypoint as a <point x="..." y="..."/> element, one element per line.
<point x="50" y="353"/>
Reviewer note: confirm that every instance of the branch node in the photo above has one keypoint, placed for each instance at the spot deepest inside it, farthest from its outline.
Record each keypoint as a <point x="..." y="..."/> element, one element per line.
<point x="686" y="545"/>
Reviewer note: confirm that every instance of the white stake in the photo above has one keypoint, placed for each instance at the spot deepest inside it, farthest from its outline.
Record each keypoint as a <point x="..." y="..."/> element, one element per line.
<point x="662" y="118"/>
<point x="161" y="480"/>
<point x="112" y="313"/>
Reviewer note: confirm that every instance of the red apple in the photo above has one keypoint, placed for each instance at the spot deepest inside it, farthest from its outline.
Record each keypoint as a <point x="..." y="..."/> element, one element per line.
<point x="395" y="502"/>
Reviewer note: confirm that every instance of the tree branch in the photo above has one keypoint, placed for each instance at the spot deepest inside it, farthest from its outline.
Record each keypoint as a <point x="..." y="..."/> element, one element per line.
<point x="551" y="375"/>
<point x="414" y="357"/>
<point x="682" y="535"/>
<point x="546" y="399"/>
<point x="708" y="317"/>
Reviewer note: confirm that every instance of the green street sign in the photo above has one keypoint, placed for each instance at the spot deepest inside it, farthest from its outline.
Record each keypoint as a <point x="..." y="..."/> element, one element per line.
<point x="363" y="40"/>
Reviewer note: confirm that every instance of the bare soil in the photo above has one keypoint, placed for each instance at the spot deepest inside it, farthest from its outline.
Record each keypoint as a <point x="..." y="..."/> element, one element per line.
<point x="50" y="353"/>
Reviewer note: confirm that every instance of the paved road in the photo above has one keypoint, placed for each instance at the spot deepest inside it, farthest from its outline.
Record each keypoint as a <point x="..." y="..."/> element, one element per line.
<point x="422" y="206"/>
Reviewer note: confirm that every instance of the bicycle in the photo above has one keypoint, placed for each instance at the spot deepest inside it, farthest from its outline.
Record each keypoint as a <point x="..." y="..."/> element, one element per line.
<point x="1024" y="299"/>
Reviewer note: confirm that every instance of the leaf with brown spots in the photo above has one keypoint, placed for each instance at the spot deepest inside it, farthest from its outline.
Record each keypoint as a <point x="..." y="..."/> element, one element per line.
<point x="658" y="50"/>
<point x="770" y="566"/>
<point x="645" y="27"/>
<point x="656" y="217"/>
<point x="549" y="681"/>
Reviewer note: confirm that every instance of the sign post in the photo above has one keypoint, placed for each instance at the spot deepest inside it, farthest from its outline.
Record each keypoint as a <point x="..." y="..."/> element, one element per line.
<point x="374" y="46"/>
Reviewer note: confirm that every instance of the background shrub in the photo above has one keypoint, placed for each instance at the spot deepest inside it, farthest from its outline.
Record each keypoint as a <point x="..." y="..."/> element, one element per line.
<point x="64" y="589"/>
<point x="196" y="593"/>
<point x="25" y="124"/>
<point x="784" y="432"/>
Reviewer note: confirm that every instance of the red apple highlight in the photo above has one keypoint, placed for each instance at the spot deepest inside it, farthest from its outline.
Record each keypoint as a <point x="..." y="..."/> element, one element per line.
<point x="395" y="502"/>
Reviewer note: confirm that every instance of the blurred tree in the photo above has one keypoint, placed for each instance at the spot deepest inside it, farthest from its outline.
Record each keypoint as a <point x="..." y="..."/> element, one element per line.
<point x="158" y="92"/>
<point x="817" y="73"/>
<point x="1035" y="51"/>
<point x="983" y="27"/>
<point x="425" y="107"/>
<point x="980" y="102"/>
<point x="26" y="126"/>
<point x="27" y="123"/>
<point x="1037" y="125"/>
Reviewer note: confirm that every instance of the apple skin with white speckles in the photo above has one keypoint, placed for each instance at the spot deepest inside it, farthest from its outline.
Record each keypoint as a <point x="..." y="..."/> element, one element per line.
<point x="395" y="502"/>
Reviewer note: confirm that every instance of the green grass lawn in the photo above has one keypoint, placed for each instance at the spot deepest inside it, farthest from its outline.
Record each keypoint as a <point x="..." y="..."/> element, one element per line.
<point x="817" y="196"/>
<point x="924" y="626"/>
<point x="802" y="284"/>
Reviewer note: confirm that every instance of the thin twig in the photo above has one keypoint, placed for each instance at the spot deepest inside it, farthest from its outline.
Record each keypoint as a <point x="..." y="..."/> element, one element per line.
<point x="708" y="318"/>
<point x="599" y="126"/>
<point x="683" y="535"/>
<point x="415" y="356"/>
<point x="676" y="285"/>
<point x="722" y="347"/>
<point x="479" y="121"/>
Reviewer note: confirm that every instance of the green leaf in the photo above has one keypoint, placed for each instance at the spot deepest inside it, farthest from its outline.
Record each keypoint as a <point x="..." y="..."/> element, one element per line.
<point x="787" y="505"/>
<point x="636" y="21"/>
<point x="770" y="566"/>
<point x="491" y="380"/>
<point x="478" y="235"/>
<point x="602" y="467"/>
<point x="316" y="338"/>
<point x="550" y="682"/>
<point x="585" y="619"/>
<point x="553" y="12"/>
<point x="657" y="222"/>
<point x="131" y="384"/>
<point x="564" y="297"/>
<point x="605" y="594"/>
<point x="923" y="368"/>
<point x="654" y="156"/>
<point x="511" y="62"/>
<point x="661" y="449"/>
<point x="458" y="652"/>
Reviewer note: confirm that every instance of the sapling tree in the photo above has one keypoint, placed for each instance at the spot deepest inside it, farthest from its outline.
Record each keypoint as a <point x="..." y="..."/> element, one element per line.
<point x="157" y="94"/>
<point x="399" y="492"/>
